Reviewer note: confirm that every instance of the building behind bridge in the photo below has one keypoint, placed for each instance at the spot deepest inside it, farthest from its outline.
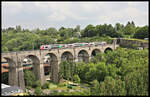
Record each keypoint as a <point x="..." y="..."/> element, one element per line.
<point x="7" y="90"/>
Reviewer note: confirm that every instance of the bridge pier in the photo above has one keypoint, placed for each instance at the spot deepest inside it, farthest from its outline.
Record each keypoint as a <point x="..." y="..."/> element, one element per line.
<point x="114" y="43"/>
<point x="13" y="76"/>
<point x="55" y="71"/>
<point x="21" y="82"/>
<point x="41" y="74"/>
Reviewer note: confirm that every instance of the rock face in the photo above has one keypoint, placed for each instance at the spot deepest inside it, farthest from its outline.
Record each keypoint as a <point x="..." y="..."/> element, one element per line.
<point x="131" y="43"/>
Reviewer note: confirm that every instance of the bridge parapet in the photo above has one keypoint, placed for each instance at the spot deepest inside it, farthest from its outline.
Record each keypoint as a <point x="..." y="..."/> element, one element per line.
<point x="9" y="53"/>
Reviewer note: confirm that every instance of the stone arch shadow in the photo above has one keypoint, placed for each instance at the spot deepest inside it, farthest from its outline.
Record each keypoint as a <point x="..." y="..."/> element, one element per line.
<point x="95" y="52"/>
<point x="108" y="49"/>
<point x="83" y="56"/>
<point x="51" y="67"/>
<point x="67" y="56"/>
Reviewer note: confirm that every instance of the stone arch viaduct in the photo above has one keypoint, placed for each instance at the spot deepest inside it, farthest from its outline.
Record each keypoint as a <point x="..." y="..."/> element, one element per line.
<point x="15" y="59"/>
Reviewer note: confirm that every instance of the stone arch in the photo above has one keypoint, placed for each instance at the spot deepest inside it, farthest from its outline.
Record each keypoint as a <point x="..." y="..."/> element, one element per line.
<point x="108" y="49"/>
<point x="52" y="67"/>
<point x="95" y="52"/>
<point x="118" y="41"/>
<point x="10" y="61"/>
<point x="67" y="56"/>
<point x="27" y="63"/>
<point x="12" y="71"/>
<point x="83" y="56"/>
<point x="36" y="65"/>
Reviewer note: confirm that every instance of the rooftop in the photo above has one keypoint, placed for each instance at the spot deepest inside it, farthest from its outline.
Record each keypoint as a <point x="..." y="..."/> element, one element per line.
<point x="10" y="90"/>
<point x="4" y="86"/>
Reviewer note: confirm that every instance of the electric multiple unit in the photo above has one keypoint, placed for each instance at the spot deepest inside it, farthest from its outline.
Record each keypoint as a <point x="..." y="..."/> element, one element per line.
<point x="55" y="46"/>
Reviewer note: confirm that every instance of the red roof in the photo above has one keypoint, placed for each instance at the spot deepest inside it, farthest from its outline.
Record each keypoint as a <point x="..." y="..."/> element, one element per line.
<point x="6" y="65"/>
<point x="3" y="70"/>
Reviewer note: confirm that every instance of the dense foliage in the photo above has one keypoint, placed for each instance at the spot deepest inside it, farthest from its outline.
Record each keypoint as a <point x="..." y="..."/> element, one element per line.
<point x="119" y="72"/>
<point x="38" y="91"/>
<point x="30" y="79"/>
<point x="68" y="70"/>
<point x="141" y="32"/>
<point x="18" y="39"/>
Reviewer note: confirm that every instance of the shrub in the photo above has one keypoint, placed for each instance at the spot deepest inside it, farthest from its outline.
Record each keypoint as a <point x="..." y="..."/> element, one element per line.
<point x="36" y="84"/>
<point x="76" y="79"/>
<point x="46" y="85"/>
<point x="29" y="78"/>
<point x="38" y="91"/>
<point x="62" y="84"/>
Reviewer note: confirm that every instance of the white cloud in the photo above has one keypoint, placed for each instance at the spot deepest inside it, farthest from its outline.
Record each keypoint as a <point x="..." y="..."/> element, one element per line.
<point x="56" y="17"/>
<point x="136" y="3"/>
<point x="132" y="12"/>
<point x="73" y="13"/>
<point x="11" y="7"/>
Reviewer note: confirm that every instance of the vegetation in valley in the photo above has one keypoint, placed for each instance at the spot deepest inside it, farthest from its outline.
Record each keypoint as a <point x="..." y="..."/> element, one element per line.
<point x="121" y="72"/>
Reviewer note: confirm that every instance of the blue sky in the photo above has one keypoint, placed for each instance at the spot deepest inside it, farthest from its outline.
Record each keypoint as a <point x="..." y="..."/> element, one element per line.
<point x="32" y="15"/>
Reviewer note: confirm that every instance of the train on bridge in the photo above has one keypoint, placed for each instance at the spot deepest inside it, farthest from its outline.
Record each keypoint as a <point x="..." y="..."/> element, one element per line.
<point x="55" y="46"/>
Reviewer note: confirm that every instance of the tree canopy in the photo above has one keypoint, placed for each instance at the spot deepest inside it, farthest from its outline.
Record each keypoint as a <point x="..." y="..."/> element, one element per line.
<point x="17" y="39"/>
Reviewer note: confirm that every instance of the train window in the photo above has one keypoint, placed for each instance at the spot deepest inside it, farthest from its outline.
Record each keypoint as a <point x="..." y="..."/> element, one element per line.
<point x="46" y="47"/>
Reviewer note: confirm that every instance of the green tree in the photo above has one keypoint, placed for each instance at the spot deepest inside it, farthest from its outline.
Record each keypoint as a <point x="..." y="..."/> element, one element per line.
<point x="89" y="31"/>
<point x="106" y="30"/>
<point x="29" y="78"/>
<point x="38" y="91"/>
<point x="37" y="83"/>
<point x="77" y="28"/>
<point x="119" y="29"/>
<point x="137" y="81"/>
<point x="129" y="29"/>
<point x="95" y="87"/>
<point x="112" y="87"/>
<point x="4" y="49"/>
<point x="66" y="70"/>
<point x="18" y="28"/>
<point x="62" y="28"/>
<point x="119" y="26"/>
<point x="99" y="57"/>
<point x="46" y="40"/>
<point x="12" y="43"/>
<point x="46" y="85"/>
<point x="142" y="33"/>
<point x="76" y="79"/>
<point x="10" y="30"/>
<point x="89" y="72"/>
<point x="51" y="31"/>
